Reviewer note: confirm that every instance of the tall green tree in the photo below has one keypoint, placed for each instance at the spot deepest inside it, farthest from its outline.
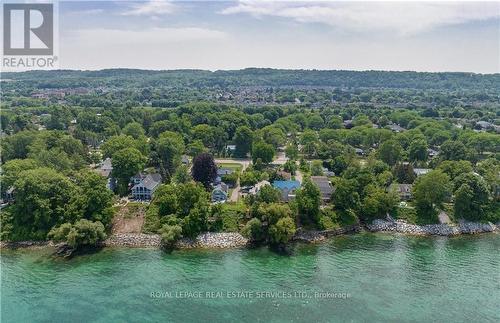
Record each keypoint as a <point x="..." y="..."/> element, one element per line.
<point x="308" y="199"/>
<point x="169" y="148"/>
<point x="134" y="130"/>
<point x="390" y="152"/>
<point x="126" y="163"/>
<point x="418" y="150"/>
<point x="44" y="198"/>
<point x="472" y="197"/>
<point x="243" y="139"/>
<point x="262" y="151"/>
<point x="430" y="191"/>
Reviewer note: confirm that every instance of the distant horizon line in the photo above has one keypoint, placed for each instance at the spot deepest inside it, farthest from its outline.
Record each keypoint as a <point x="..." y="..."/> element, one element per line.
<point x="248" y="68"/>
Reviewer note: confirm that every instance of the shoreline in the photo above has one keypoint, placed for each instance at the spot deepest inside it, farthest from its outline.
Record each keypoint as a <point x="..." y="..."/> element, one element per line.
<point x="225" y="240"/>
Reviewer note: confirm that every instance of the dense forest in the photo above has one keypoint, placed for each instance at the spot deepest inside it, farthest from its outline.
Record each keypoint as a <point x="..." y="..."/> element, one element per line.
<point x="401" y="144"/>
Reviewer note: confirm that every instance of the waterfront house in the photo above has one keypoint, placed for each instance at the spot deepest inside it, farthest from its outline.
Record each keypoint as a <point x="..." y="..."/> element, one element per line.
<point x="403" y="190"/>
<point x="220" y="193"/>
<point x="325" y="187"/>
<point x="287" y="189"/>
<point x="145" y="186"/>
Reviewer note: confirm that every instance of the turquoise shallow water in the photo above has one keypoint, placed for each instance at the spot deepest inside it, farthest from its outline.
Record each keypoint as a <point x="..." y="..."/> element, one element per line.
<point x="377" y="277"/>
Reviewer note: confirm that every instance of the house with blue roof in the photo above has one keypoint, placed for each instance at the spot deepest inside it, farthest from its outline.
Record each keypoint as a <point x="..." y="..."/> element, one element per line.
<point x="287" y="189"/>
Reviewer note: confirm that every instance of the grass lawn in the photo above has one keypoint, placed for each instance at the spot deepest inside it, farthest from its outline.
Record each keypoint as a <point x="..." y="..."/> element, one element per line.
<point x="234" y="166"/>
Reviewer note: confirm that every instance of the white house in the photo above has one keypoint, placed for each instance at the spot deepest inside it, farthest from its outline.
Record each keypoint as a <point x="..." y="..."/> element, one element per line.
<point x="144" y="188"/>
<point x="220" y="193"/>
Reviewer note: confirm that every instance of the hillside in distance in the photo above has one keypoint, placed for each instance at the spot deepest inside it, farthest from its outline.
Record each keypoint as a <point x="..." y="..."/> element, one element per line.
<point x="257" y="77"/>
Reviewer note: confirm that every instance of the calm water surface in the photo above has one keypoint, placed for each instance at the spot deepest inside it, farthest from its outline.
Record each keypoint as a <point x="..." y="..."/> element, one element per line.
<point x="377" y="277"/>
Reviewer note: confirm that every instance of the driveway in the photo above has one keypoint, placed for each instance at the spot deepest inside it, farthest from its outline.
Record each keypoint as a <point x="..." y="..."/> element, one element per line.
<point x="235" y="195"/>
<point x="280" y="158"/>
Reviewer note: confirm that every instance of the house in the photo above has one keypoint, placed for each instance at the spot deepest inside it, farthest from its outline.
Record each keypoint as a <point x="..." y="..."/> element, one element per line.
<point x="106" y="167"/>
<point x="359" y="151"/>
<point x="403" y="190"/>
<point x="105" y="170"/>
<point x="220" y="193"/>
<point x="325" y="187"/>
<point x="256" y="188"/>
<point x="284" y="175"/>
<point x="421" y="171"/>
<point x="328" y="172"/>
<point x="8" y="196"/>
<point x="224" y="171"/>
<point x="396" y="128"/>
<point x="39" y="96"/>
<point x="231" y="148"/>
<point x="145" y="187"/>
<point x="432" y="153"/>
<point x="137" y="178"/>
<point x="484" y="125"/>
<point x="185" y="160"/>
<point x="221" y="172"/>
<point x="287" y="189"/>
<point x="348" y="124"/>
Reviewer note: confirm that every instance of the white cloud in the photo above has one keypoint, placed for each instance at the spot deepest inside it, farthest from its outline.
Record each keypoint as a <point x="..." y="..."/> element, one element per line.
<point x="151" y="8"/>
<point x="401" y="18"/>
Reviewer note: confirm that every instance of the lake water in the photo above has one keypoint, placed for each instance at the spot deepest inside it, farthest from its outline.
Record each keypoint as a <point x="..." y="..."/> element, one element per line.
<point x="358" y="278"/>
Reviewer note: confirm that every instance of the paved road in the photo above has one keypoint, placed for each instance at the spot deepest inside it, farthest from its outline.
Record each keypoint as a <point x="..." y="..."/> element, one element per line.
<point x="280" y="158"/>
<point x="298" y="176"/>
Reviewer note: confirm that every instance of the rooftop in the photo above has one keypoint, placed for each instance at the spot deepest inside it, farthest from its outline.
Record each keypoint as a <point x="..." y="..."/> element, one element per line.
<point x="286" y="184"/>
<point x="151" y="181"/>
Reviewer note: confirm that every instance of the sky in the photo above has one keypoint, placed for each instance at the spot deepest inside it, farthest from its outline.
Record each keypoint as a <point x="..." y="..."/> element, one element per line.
<point x="213" y="35"/>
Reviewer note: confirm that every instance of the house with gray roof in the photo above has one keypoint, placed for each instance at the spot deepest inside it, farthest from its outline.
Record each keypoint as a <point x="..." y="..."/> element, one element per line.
<point x="145" y="187"/>
<point x="403" y="190"/>
<point x="105" y="170"/>
<point x="396" y="128"/>
<point x="220" y="193"/>
<point x="325" y="187"/>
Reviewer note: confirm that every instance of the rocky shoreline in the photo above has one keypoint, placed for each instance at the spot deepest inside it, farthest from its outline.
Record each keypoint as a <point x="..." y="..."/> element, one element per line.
<point x="462" y="227"/>
<point x="204" y="240"/>
<point x="220" y="240"/>
<point x="318" y="236"/>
